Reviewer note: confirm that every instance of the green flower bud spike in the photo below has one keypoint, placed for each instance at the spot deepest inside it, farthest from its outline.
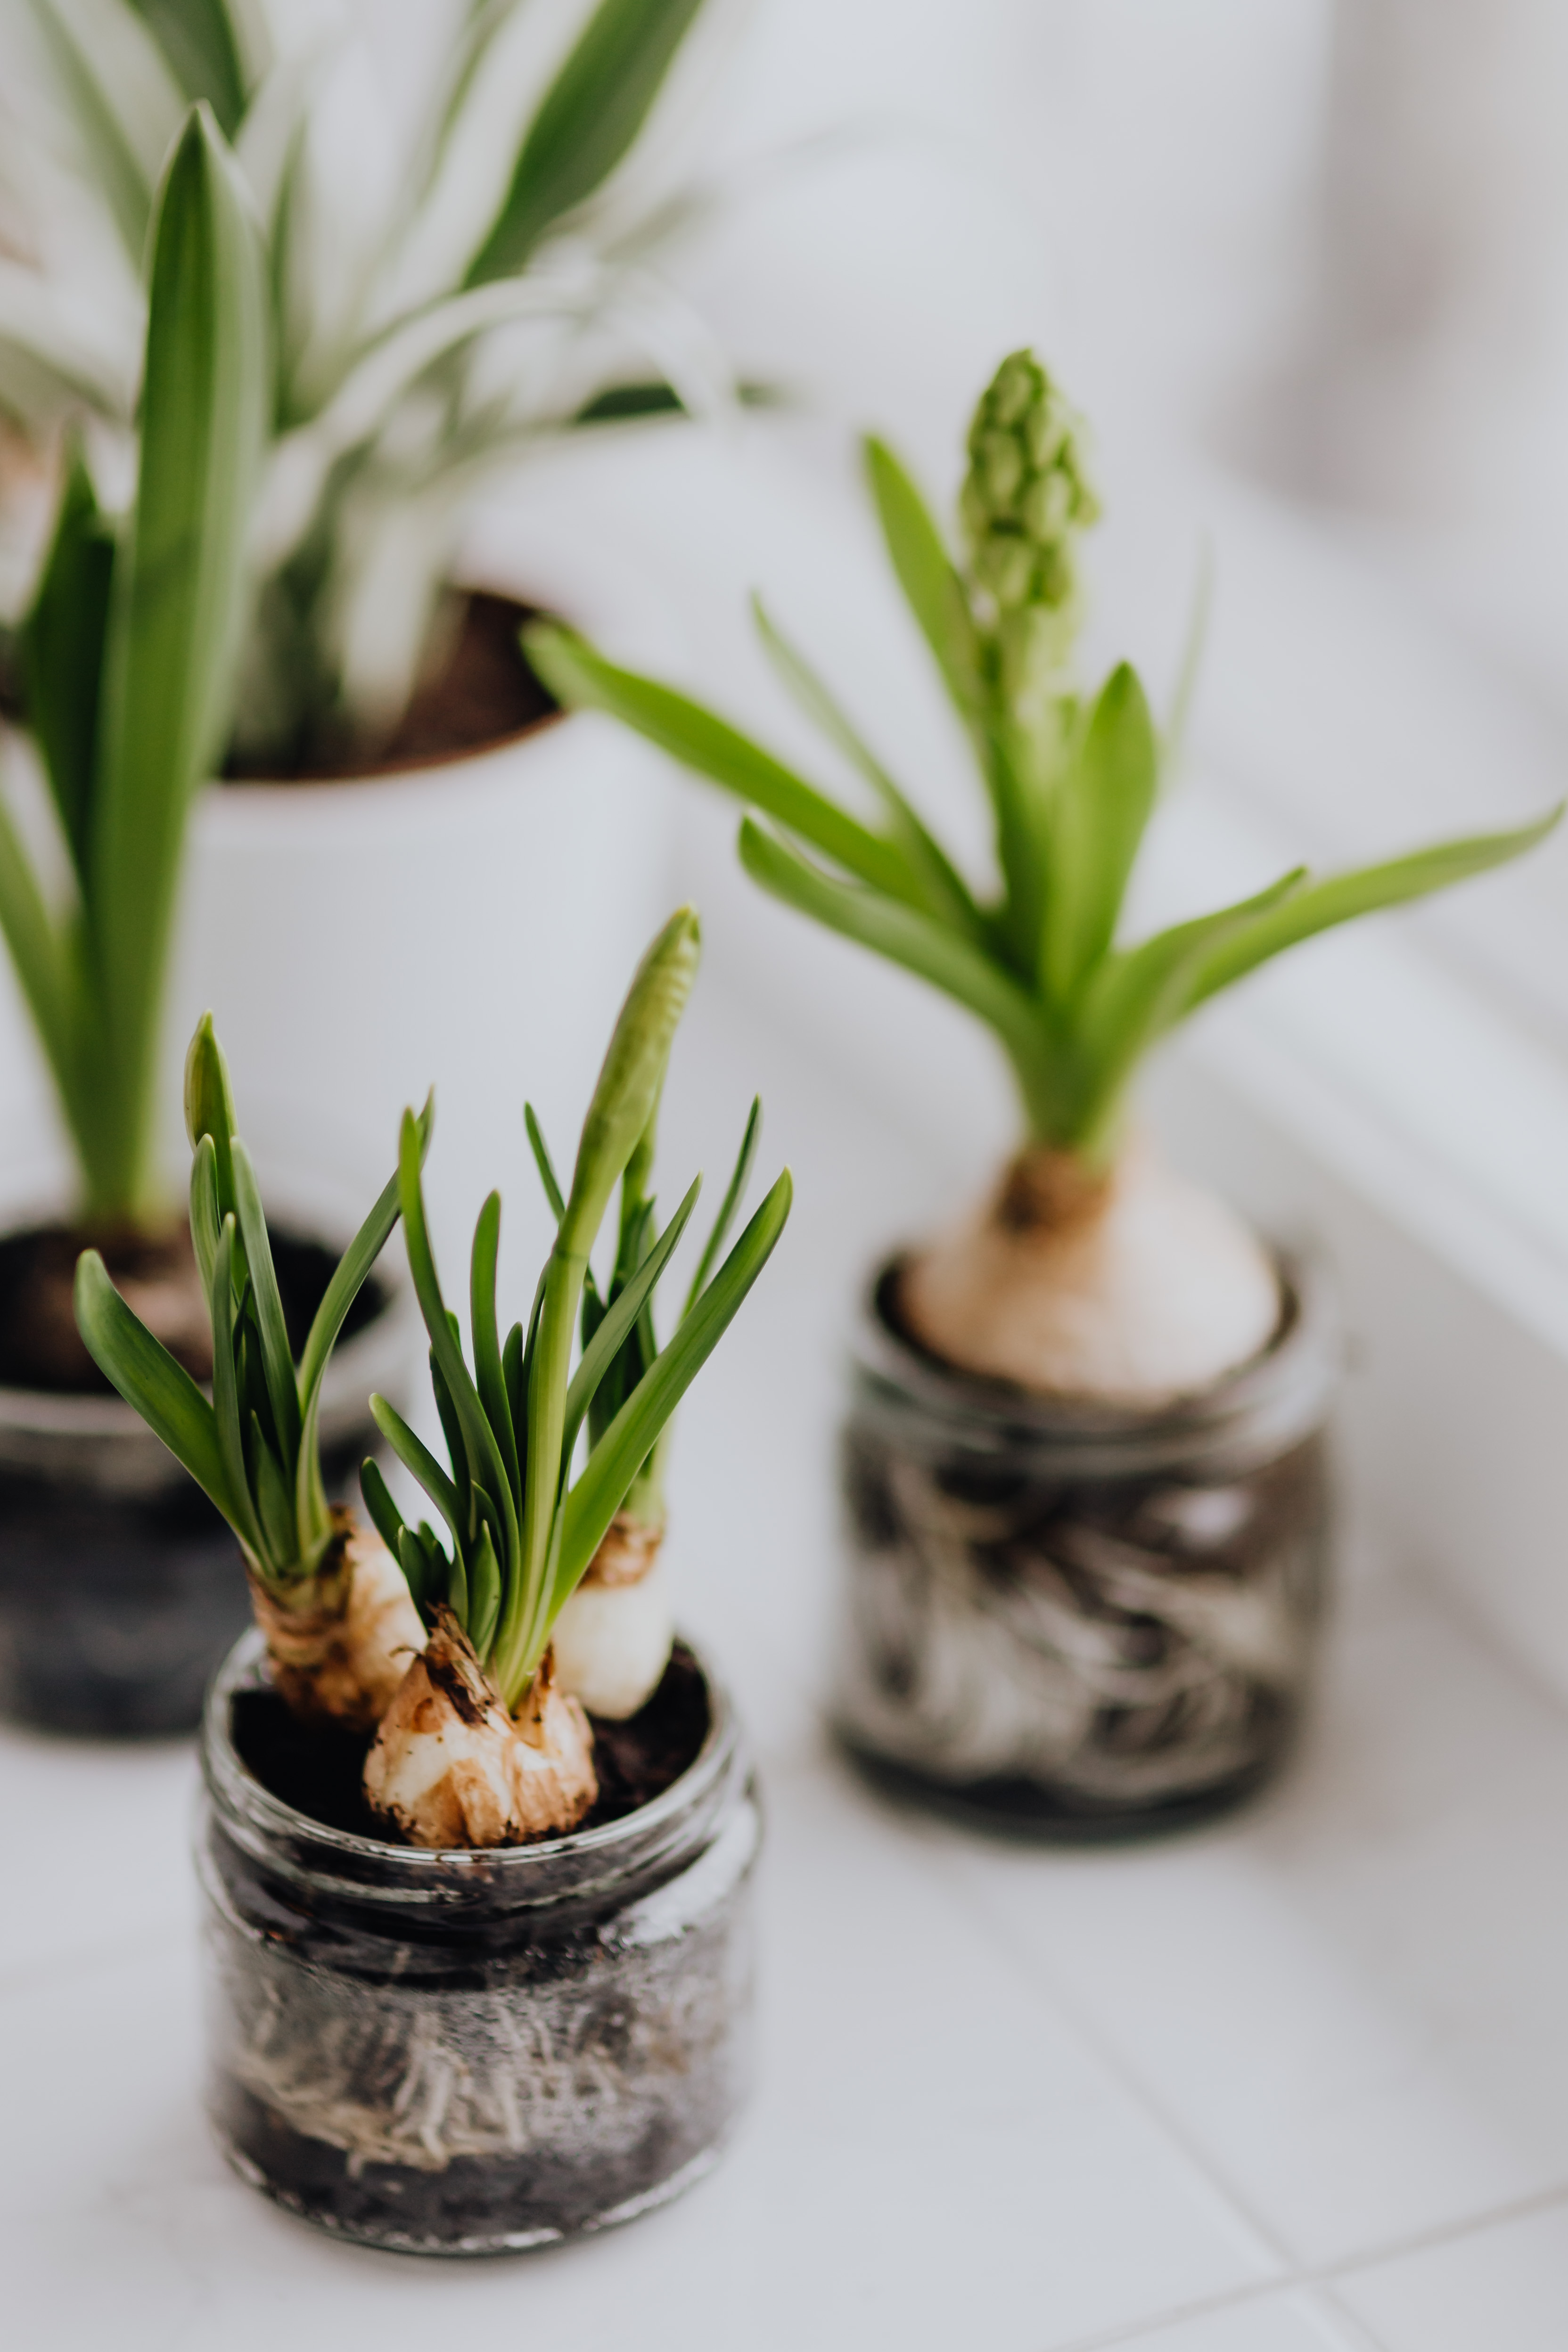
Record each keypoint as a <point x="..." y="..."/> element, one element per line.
<point x="1025" y="499"/>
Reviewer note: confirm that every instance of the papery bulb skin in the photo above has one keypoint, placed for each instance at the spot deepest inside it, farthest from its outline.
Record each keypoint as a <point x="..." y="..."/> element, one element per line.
<point x="341" y="1656"/>
<point x="1133" y="1287"/>
<point x="449" y="1767"/>
<point x="613" y="1639"/>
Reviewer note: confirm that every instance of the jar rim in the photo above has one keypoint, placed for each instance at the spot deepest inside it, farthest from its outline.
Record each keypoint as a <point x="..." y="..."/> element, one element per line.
<point x="1278" y="1394"/>
<point x="342" y="1862"/>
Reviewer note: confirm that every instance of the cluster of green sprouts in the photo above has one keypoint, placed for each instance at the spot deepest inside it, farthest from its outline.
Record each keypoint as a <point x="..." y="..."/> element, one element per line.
<point x="522" y="1532"/>
<point x="254" y="1445"/>
<point x="1072" y="781"/>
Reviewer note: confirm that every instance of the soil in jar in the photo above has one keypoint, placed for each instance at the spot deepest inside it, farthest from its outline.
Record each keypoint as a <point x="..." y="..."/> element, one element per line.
<point x="319" y="1769"/>
<point x="41" y="1349"/>
<point x="478" y="692"/>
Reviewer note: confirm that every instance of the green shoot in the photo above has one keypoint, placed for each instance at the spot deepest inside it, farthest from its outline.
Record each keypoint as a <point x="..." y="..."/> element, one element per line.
<point x="1071" y="779"/>
<point x="520" y="1534"/>
<point x="254" y="1445"/>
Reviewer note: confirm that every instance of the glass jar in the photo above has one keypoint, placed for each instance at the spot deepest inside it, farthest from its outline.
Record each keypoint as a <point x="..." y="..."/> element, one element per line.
<point x="468" y="2053"/>
<point x="1081" y="1623"/>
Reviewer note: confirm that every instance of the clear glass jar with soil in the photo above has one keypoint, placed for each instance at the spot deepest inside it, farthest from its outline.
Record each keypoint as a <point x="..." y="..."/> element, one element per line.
<point x="1077" y="1623"/>
<point x="476" y="2053"/>
<point x="122" y="1588"/>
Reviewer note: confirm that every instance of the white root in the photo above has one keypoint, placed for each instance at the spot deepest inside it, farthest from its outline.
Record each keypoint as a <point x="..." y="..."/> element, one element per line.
<point x="613" y="1638"/>
<point x="450" y="1768"/>
<point x="342" y="1656"/>
<point x="1135" y="1288"/>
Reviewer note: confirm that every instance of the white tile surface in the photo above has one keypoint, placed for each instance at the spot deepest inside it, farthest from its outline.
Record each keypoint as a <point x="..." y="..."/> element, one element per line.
<point x="1296" y="2321"/>
<point x="94" y="1845"/>
<point x="1353" y="1998"/>
<point x="1504" y="2287"/>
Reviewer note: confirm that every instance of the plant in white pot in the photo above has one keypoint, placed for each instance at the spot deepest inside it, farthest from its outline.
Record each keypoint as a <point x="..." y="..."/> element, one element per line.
<point x="463" y="223"/>
<point x="478" y="1968"/>
<point x="117" y="1589"/>
<point x="1084" y="1464"/>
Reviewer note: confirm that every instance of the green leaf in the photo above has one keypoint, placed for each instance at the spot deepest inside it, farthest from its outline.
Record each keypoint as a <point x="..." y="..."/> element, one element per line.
<point x="1341" y="896"/>
<point x="902" y="935"/>
<point x="178" y="603"/>
<point x="578" y="676"/>
<point x="484" y="1594"/>
<point x="276" y="1357"/>
<point x="274" y="1504"/>
<point x="745" y="1159"/>
<point x="144" y="1373"/>
<point x="62" y="646"/>
<point x="118" y="136"/>
<point x="943" y="892"/>
<point x="210" y="1106"/>
<point x="206" y="1212"/>
<point x="385" y="1517"/>
<point x="415" y="1561"/>
<point x="589" y="119"/>
<point x="489" y="1376"/>
<point x="619" y="1320"/>
<point x="926" y="573"/>
<point x="627" y="1444"/>
<point x="225" y="1403"/>
<point x="47" y="977"/>
<point x="484" y="1456"/>
<point x="421" y="1463"/>
<point x="544" y="1165"/>
<point x="1098" y="814"/>
<point x="198" y="39"/>
<point x="1135" y="998"/>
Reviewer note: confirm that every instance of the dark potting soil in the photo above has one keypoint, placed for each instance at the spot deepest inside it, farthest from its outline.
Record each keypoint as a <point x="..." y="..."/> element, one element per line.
<point x="41" y="1349"/>
<point x="319" y="1770"/>
<point x="483" y="694"/>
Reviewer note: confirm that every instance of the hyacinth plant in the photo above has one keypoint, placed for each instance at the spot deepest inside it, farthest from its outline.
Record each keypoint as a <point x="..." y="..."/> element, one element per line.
<point x="462" y="262"/>
<point x="483" y="1745"/>
<point x="334" y="1607"/>
<point x="1092" y="1270"/>
<point x="127" y="660"/>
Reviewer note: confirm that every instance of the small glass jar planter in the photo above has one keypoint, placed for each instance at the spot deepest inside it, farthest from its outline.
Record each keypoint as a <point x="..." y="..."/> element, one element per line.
<point x="476" y="2052"/>
<point x="121" y="1587"/>
<point x="1075" y="1623"/>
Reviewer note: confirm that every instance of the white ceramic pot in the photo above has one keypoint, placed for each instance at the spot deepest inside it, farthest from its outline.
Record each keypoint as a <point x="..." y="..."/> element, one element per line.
<point x="472" y="926"/>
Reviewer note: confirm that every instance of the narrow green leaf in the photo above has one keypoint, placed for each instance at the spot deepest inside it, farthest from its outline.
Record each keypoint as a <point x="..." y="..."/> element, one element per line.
<point x="274" y="1502"/>
<point x="479" y="1440"/>
<point x="589" y="119"/>
<point x="61" y="644"/>
<point x="544" y="1165"/>
<point x="210" y="1106"/>
<point x="144" y="1373"/>
<point x="1340" y="897"/>
<point x="902" y="935"/>
<point x="489" y="1376"/>
<point x="385" y="1517"/>
<point x="1173" y="738"/>
<point x="421" y="1463"/>
<point x="515" y="1383"/>
<point x="198" y="40"/>
<point x="1098" y="814"/>
<point x="44" y="970"/>
<point x="180" y="594"/>
<point x="415" y="1563"/>
<point x="206" y="1213"/>
<point x="614" y="1462"/>
<point x="226" y="1403"/>
<point x="926" y="573"/>
<point x="579" y="676"/>
<point x="113" y="143"/>
<point x="944" y="893"/>
<point x="277" y="1357"/>
<point x="458" y="1590"/>
<point x="484" y="1594"/>
<point x="745" y="1159"/>
<point x="618" y="1321"/>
